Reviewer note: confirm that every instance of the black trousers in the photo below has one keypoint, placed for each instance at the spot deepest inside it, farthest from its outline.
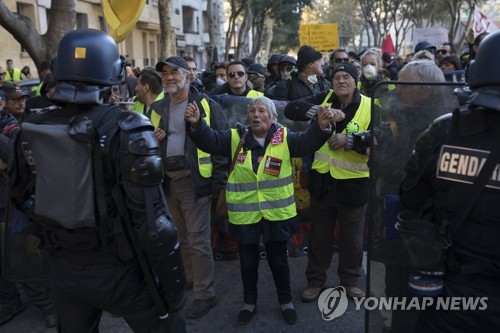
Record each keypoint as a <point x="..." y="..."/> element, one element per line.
<point x="38" y="292"/>
<point x="82" y="292"/>
<point x="8" y="290"/>
<point x="485" y="320"/>
<point x="278" y="263"/>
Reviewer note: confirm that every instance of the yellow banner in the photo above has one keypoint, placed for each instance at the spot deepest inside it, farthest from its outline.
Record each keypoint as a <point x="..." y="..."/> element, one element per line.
<point x="121" y="16"/>
<point x="323" y="37"/>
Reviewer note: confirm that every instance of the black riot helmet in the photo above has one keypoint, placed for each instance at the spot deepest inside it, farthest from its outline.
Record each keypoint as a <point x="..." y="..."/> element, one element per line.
<point x="288" y="59"/>
<point x="89" y="56"/>
<point x="484" y="70"/>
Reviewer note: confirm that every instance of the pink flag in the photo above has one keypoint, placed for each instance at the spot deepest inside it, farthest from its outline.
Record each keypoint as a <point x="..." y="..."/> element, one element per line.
<point x="388" y="45"/>
<point x="482" y="23"/>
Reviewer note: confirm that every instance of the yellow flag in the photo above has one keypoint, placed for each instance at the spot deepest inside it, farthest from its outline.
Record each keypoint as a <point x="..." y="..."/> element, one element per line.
<point x="121" y="16"/>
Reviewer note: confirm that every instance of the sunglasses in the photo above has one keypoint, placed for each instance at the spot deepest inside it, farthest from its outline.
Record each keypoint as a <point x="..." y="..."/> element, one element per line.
<point x="232" y="75"/>
<point x="339" y="60"/>
<point x="443" y="51"/>
<point x="2" y="74"/>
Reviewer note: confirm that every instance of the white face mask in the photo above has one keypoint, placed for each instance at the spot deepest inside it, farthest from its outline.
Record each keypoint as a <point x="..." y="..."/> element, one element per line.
<point x="219" y="81"/>
<point x="312" y="78"/>
<point x="369" y="72"/>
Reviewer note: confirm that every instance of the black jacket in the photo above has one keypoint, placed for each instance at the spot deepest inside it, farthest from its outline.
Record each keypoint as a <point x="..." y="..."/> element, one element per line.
<point x="226" y="89"/>
<point x="300" y="144"/>
<point x="296" y="87"/>
<point x="203" y="186"/>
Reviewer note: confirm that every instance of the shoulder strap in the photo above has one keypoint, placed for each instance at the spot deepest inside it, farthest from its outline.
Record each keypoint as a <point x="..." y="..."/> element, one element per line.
<point x="240" y="144"/>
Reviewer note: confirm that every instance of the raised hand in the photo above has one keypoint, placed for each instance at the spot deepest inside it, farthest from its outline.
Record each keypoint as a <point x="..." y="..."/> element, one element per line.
<point x="192" y="114"/>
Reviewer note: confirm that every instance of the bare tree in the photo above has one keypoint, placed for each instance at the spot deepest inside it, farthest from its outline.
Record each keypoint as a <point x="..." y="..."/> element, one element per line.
<point x="237" y="8"/>
<point x="62" y="18"/>
<point x="243" y="47"/>
<point x="213" y="13"/>
<point x="455" y="8"/>
<point x="167" y="33"/>
<point x="346" y="13"/>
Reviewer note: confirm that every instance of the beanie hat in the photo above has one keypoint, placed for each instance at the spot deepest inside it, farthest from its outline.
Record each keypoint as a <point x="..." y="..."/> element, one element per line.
<point x="348" y="68"/>
<point x="306" y="55"/>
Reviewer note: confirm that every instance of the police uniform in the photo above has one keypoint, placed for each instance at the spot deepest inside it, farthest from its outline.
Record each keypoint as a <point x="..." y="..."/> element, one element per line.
<point x="97" y="197"/>
<point x="439" y="179"/>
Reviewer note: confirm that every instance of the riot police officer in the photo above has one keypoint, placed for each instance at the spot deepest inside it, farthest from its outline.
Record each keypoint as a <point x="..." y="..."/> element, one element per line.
<point x="94" y="172"/>
<point x="439" y="180"/>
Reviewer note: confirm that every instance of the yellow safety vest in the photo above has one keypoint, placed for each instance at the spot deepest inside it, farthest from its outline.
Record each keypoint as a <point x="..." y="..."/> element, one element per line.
<point x="377" y="101"/>
<point x="16" y="75"/>
<point x="38" y="89"/>
<point x="254" y="94"/>
<point x="346" y="164"/>
<point x="154" y="117"/>
<point x="268" y="194"/>
<point x="204" y="159"/>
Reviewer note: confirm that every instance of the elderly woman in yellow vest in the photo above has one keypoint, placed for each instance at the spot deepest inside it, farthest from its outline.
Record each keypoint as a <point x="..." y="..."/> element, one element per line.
<point x="338" y="185"/>
<point x="259" y="192"/>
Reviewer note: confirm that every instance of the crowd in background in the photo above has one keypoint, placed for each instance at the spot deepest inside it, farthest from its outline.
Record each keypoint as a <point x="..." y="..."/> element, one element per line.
<point x="311" y="83"/>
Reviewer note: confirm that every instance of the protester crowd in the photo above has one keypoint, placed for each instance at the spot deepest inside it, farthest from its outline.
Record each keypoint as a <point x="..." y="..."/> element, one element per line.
<point x="200" y="137"/>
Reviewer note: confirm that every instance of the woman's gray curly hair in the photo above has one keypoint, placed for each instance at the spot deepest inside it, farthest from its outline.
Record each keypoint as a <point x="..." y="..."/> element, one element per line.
<point x="270" y="107"/>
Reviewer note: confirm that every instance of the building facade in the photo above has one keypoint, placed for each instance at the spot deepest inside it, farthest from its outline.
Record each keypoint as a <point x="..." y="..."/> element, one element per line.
<point x="189" y="19"/>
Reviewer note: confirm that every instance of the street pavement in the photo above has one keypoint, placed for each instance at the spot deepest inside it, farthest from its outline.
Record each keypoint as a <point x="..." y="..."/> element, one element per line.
<point x="222" y="318"/>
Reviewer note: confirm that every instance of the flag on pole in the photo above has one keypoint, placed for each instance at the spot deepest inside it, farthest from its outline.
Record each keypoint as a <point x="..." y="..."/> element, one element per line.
<point x="482" y="23"/>
<point x="388" y="45"/>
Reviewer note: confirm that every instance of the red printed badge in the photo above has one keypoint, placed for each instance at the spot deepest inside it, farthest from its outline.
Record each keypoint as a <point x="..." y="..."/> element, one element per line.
<point x="273" y="166"/>
<point x="241" y="157"/>
<point x="278" y="136"/>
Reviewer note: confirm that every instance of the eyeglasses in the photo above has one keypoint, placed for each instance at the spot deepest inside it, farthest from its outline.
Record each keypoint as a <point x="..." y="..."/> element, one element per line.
<point x="339" y="60"/>
<point x="2" y="74"/>
<point x="443" y="51"/>
<point x="339" y="78"/>
<point x="232" y="75"/>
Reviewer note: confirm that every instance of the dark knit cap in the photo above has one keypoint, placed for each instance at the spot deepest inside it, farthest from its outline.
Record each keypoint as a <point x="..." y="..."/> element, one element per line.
<point x="306" y="55"/>
<point x="348" y="68"/>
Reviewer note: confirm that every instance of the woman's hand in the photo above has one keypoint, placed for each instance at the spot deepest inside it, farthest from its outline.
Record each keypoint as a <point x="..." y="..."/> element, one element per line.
<point x="192" y="114"/>
<point x="325" y="117"/>
<point x="337" y="141"/>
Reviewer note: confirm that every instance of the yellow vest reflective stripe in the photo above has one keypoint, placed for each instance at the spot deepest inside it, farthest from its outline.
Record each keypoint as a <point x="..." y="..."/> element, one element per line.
<point x="38" y="89"/>
<point x="268" y="194"/>
<point x="204" y="159"/>
<point x="254" y="93"/>
<point x="154" y="117"/>
<point x="346" y="164"/>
